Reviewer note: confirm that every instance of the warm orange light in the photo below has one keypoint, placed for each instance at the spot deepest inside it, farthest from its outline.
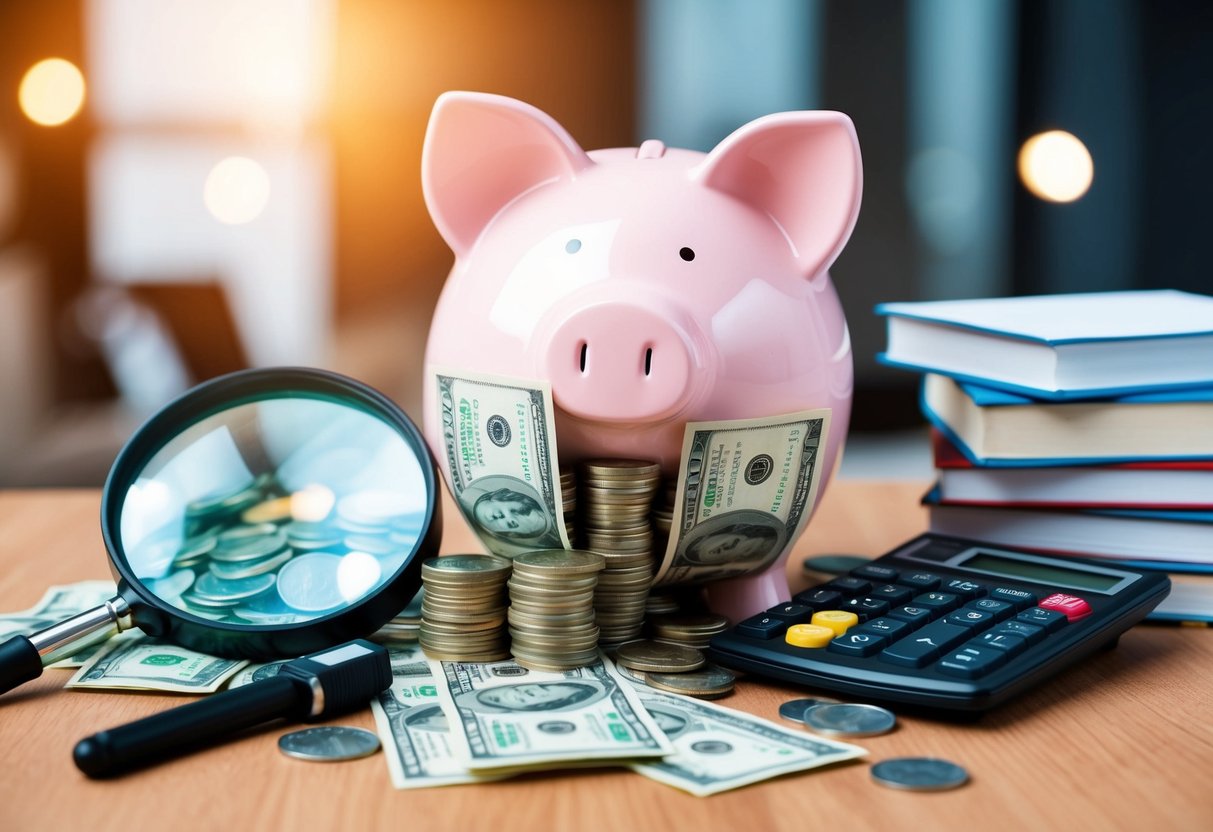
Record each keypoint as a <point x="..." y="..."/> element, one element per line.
<point x="237" y="190"/>
<point x="1056" y="166"/>
<point x="52" y="92"/>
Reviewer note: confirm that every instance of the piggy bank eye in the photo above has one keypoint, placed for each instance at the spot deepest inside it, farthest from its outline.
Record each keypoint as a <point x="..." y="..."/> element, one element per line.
<point x="573" y="246"/>
<point x="687" y="254"/>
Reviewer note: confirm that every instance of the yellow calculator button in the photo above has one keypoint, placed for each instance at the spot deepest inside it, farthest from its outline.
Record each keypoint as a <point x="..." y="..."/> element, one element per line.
<point x="809" y="635"/>
<point x="837" y="620"/>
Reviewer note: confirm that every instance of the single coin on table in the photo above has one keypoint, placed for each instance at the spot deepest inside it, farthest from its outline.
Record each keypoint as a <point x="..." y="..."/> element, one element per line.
<point x="919" y="774"/>
<point x="659" y="657"/>
<point x="328" y="743"/>
<point x="849" y="720"/>
<point x="708" y="682"/>
<point x="794" y="709"/>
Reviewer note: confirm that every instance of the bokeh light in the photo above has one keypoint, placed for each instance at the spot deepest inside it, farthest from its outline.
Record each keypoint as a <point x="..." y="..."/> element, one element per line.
<point x="1056" y="166"/>
<point x="52" y="92"/>
<point x="237" y="190"/>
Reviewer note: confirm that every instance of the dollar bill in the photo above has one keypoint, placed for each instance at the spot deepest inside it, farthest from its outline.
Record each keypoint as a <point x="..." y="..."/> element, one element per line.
<point x="744" y="488"/>
<point x="717" y="748"/>
<point x="413" y="727"/>
<point x="151" y="664"/>
<point x="59" y="603"/>
<point x="499" y="437"/>
<point x="502" y="715"/>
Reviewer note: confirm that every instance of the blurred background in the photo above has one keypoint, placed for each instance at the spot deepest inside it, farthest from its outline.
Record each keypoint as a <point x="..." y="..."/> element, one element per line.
<point x="189" y="187"/>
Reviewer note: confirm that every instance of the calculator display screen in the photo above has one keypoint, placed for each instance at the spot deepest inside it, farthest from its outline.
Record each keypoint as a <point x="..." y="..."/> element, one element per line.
<point x="1045" y="573"/>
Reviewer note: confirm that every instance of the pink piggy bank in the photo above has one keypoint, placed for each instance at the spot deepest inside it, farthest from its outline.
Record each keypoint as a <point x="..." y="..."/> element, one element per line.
<point x="650" y="286"/>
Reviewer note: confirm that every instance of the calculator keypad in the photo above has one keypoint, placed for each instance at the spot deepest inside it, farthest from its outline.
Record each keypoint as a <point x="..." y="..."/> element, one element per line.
<point x="957" y="627"/>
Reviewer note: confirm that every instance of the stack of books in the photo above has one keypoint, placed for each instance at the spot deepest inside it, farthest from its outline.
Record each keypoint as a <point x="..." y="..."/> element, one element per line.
<point x="1073" y="424"/>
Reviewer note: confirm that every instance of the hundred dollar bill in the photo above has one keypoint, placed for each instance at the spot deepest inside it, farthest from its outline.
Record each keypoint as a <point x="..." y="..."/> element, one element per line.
<point x="502" y="715"/>
<point x="413" y="727"/>
<point x="150" y="664"/>
<point x="500" y="460"/>
<point x="56" y="604"/>
<point x="744" y="488"/>
<point x="717" y="749"/>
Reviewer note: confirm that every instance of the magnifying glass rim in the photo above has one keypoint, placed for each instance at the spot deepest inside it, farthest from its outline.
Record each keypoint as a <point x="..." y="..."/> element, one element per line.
<point x="222" y="394"/>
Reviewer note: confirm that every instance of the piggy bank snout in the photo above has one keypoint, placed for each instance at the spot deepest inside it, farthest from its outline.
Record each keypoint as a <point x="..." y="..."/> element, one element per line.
<point x="617" y="361"/>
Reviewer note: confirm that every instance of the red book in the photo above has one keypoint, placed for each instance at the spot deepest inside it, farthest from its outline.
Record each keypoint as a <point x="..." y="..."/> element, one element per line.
<point x="1186" y="484"/>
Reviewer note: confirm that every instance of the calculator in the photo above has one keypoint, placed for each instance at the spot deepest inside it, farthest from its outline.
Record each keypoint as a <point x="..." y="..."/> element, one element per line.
<point x="944" y="624"/>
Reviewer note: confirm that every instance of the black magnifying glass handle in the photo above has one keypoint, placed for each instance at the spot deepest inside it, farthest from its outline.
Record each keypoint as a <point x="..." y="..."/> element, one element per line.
<point x="23" y="657"/>
<point x="314" y="687"/>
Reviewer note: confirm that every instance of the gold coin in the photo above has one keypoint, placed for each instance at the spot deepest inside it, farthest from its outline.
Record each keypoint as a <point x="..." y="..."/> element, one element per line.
<point x="559" y="562"/>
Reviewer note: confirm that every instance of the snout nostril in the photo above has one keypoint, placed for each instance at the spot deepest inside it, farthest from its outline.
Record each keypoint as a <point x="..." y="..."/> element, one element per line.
<point x="585" y="348"/>
<point x="648" y="361"/>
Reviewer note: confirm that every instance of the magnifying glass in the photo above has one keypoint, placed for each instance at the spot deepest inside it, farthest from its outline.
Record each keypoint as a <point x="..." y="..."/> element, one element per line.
<point x="264" y="514"/>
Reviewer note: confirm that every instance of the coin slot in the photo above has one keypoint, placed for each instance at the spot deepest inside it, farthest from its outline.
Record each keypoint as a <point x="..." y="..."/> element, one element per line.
<point x="648" y="361"/>
<point x="585" y="348"/>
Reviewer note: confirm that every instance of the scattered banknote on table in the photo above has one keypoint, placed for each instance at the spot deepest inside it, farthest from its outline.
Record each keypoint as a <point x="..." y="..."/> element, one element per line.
<point x="151" y="664"/>
<point x="58" y="603"/>
<point x="717" y="749"/>
<point x="504" y="715"/>
<point x="744" y="487"/>
<point x="499" y="437"/>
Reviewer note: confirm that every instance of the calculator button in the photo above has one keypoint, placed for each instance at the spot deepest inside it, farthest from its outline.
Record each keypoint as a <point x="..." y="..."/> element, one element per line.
<point x="965" y="589"/>
<point x="998" y="609"/>
<point x="761" y="626"/>
<point x="970" y="662"/>
<point x="837" y="620"/>
<point x="920" y="647"/>
<point x="1071" y="606"/>
<point x="970" y="618"/>
<point x="1028" y="632"/>
<point x="851" y="586"/>
<point x="857" y="644"/>
<point x="808" y="635"/>
<point x="865" y="607"/>
<point x="818" y="599"/>
<point x="937" y="601"/>
<point x="791" y="613"/>
<point x="920" y="580"/>
<point x="1020" y="598"/>
<point x="872" y="572"/>
<point x="892" y="594"/>
<point x="1050" y="620"/>
<point x="912" y="615"/>
<point x="1001" y="640"/>
<point x="890" y="628"/>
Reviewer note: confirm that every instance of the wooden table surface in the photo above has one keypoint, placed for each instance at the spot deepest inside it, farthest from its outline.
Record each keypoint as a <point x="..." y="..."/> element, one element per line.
<point x="1122" y="741"/>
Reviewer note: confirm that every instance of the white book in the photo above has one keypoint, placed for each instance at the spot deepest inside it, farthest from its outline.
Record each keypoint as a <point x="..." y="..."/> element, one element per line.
<point x="1059" y="346"/>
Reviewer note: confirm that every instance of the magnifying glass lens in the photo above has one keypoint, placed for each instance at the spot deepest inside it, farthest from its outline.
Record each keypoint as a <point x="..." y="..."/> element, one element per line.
<point x="275" y="511"/>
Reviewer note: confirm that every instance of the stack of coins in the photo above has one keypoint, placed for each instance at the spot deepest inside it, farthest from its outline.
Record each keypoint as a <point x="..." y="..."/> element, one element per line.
<point x="675" y="668"/>
<point x="690" y="630"/>
<point x="661" y="603"/>
<point x="552" y="609"/>
<point x="405" y="626"/>
<point x="463" y="609"/>
<point x="663" y="515"/>
<point x="617" y="496"/>
<point x="568" y="494"/>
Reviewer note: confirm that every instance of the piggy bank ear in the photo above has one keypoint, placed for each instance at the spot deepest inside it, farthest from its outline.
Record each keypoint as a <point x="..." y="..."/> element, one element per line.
<point x="801" y="168"/>
<point x="481" y="151"/>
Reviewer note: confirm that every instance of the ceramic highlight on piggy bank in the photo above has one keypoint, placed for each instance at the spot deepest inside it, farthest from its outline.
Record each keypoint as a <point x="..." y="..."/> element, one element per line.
<point x="648" y="287"/>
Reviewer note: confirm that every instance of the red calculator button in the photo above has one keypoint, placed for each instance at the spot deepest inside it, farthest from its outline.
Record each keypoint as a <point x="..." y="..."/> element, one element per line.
<point x="1071" y="606"/>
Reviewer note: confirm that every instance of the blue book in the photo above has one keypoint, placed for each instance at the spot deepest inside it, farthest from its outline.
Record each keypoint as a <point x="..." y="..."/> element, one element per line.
<point x="996" y="428"/>
<point x="1059" y="347"/>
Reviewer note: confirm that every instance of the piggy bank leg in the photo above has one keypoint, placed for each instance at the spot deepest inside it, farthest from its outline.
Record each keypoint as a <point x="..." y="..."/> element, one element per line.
<point x="739" y="598"/>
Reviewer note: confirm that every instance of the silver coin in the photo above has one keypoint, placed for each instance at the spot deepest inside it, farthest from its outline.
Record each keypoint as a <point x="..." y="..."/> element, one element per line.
<point x="919" y="774"/>
<point x="171" y="587"/>
<point x="794" y="709"/>
<point x="309" y="583"/>
<point x="328" y="743"/>
<point x="848" y="720"/>
<point x="213" y="588"/>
